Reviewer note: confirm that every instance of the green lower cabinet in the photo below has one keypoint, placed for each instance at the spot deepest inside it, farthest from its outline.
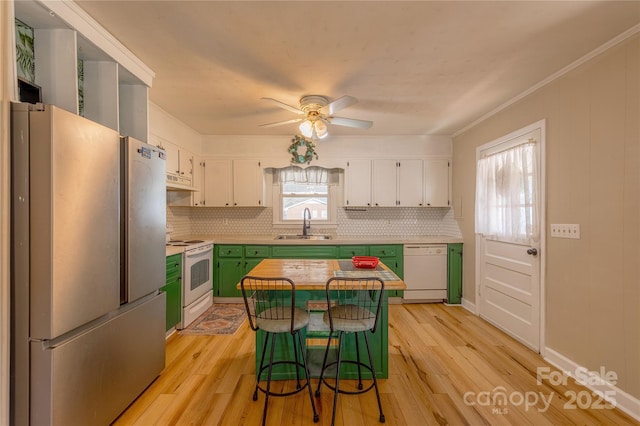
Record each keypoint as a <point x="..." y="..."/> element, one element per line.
<point x="233" y="261"/>
<point x="392" y="256"/>
<point x="230" y="272"/>
<point x="347" y="252"/>
<point x="315" y="338"/>
<point x="304" y="252"/>
<point x="173" y="290"/>
<point x="454" y="272"/>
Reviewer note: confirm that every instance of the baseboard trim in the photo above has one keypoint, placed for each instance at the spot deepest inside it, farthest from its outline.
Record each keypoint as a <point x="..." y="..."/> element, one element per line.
<point x="625" y="402"/>
<point x="469" y="306"/>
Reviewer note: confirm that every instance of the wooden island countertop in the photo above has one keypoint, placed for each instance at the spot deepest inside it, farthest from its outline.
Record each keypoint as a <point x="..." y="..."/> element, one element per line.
<point x="313" y="274"/>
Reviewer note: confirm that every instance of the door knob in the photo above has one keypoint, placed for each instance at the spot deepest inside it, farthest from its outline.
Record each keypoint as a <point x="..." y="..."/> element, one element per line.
<point x="532" y="251"/>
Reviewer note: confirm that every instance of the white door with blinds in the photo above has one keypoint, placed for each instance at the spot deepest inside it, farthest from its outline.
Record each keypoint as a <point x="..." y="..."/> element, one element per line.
<point x="508" y="224"/>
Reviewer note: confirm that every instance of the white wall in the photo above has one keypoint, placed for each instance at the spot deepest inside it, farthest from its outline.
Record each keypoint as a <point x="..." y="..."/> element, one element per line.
<point x="333" y="148"/>
<point x="163" y="124"/>
<point x="593" y="179"/>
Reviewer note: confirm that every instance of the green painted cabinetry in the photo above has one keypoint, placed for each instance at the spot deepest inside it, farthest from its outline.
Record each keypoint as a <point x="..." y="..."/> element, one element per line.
<point x="454" y="272"/>
<point x="173" y="290"/>
<point x="228" y="270"/>
<point x="303" y="252"/>
<point x="233" y="261"/>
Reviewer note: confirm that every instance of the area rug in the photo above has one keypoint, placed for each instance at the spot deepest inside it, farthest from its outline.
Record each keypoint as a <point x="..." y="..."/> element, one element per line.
<point x="220" y="318"/>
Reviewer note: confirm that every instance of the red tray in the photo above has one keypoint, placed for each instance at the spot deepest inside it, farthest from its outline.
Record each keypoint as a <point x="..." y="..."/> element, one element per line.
<point x="369" y="262"/>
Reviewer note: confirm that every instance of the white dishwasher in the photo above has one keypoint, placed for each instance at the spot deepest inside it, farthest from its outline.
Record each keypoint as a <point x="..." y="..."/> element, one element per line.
<point x="425" y="272"/>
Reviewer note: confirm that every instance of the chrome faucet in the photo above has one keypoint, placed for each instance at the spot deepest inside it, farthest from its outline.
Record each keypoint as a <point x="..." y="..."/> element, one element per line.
<point x="306" y="225"/>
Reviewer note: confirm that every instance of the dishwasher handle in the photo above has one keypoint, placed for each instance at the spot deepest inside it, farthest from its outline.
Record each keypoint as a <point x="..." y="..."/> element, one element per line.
<point x="425" y="250"/>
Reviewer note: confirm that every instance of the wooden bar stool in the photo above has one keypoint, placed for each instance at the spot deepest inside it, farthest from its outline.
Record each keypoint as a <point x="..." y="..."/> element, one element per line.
<point x="271" y="307"/>
<point x="353" y="307"/>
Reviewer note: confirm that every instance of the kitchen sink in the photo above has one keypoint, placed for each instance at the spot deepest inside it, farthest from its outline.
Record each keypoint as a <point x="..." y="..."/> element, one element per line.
<point x="303" y="237"/>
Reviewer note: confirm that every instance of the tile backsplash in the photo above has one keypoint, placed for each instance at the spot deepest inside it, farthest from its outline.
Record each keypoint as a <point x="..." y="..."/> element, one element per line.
<point x="392" y="221"/>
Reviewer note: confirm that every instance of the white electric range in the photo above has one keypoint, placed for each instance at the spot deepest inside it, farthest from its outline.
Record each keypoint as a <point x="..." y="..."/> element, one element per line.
<point x="197" y="278"/>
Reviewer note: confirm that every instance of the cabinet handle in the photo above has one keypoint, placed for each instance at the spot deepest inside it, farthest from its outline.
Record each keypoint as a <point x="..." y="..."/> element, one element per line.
<point x="176" y="265"/>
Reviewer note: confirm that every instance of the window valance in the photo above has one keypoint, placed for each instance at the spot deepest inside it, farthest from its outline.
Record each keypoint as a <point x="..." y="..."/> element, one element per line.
<point x="310" y="175"/>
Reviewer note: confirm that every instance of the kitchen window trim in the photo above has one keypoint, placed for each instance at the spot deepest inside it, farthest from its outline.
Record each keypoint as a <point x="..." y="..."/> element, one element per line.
<point x="333" y="195"/>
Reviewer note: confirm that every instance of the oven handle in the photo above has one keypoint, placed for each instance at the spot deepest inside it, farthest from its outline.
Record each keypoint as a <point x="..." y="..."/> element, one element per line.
<point x="197" y="251"/>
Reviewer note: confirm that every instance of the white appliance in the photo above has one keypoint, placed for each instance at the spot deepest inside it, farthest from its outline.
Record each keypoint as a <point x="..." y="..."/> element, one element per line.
<point x="197" y="278"/>
<point x="88" y="260"/>
<point x="425" y="272"/>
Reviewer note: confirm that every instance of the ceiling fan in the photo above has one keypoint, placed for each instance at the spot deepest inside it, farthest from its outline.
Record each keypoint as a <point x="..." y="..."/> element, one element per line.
<point x="318" y="112"/>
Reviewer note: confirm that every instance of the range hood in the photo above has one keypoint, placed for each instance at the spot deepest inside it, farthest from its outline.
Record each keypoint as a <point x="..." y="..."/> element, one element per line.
<point x="175" y="186"/>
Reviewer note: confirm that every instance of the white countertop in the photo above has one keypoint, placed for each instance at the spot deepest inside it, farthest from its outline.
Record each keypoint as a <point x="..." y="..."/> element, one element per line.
<point x="335" y="240"/>
<point x="171" y="250"/>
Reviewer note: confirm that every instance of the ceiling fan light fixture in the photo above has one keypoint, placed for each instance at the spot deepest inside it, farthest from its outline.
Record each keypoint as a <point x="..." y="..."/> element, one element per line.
<point x="306" y="128"/>
<point x="320" y="129"/>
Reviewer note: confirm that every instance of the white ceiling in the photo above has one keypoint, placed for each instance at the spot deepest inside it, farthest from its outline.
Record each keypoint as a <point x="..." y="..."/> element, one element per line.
<point x="417" y="68"/>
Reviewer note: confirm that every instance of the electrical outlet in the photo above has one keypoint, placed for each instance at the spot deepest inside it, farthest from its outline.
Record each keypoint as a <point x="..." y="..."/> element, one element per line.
<point x="565" y="230"/>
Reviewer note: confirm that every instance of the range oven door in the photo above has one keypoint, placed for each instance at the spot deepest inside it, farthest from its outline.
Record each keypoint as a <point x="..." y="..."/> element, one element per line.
<point x="198" y="273"/>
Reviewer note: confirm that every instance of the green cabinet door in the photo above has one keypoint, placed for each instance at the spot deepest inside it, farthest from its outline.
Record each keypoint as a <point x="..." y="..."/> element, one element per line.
<point x="230" y="272"/>
<point x="391" y="255"/>
<point x="173" y="290"/>
<point x="347" y="252"/>
<point x="454" y="266"/>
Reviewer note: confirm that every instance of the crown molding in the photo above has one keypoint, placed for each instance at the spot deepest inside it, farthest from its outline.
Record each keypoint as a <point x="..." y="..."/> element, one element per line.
<point x="614" y="41"/>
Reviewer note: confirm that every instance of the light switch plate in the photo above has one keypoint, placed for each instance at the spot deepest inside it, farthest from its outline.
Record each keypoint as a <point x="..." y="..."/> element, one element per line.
<point x="565" y="230"/>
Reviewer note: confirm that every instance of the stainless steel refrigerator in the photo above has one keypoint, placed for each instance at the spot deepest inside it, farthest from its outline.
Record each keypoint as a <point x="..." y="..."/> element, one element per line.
<point x="88" y="258"/>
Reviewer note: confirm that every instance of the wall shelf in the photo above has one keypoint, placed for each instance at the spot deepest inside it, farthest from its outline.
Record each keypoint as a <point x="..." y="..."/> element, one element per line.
<point x="115" y="83"/>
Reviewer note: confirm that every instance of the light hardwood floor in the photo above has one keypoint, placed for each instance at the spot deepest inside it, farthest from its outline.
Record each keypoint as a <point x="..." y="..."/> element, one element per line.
<point x="443" y="364"/>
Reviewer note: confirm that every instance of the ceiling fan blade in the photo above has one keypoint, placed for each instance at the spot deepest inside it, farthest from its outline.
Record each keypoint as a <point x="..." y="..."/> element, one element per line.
<point x="285" y="106"/>
<point x="338" y="104"/>
<point x="350" y="122"/>
<point x="280" y="123"/>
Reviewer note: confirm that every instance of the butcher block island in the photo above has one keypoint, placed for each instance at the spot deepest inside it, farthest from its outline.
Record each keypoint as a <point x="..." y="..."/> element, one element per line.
<point x="310" y="277"/>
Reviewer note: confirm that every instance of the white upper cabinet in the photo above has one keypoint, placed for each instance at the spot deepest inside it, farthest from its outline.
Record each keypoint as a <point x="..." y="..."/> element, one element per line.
<point x="410" y="183"/>
<point x="232" y="183"/>
<point x="173" y="157"/>
<point x="218" y="185"/>
<point x="384" y="183"/>
<point x="397" y="183"/>
<point x="248" y="183"/>
<point x="436" y="183"/>
<point x="197" y="197"/>
<point x="185" y="160"/>
<point x="357" y="183"/>
<point x="179" y="164"/>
